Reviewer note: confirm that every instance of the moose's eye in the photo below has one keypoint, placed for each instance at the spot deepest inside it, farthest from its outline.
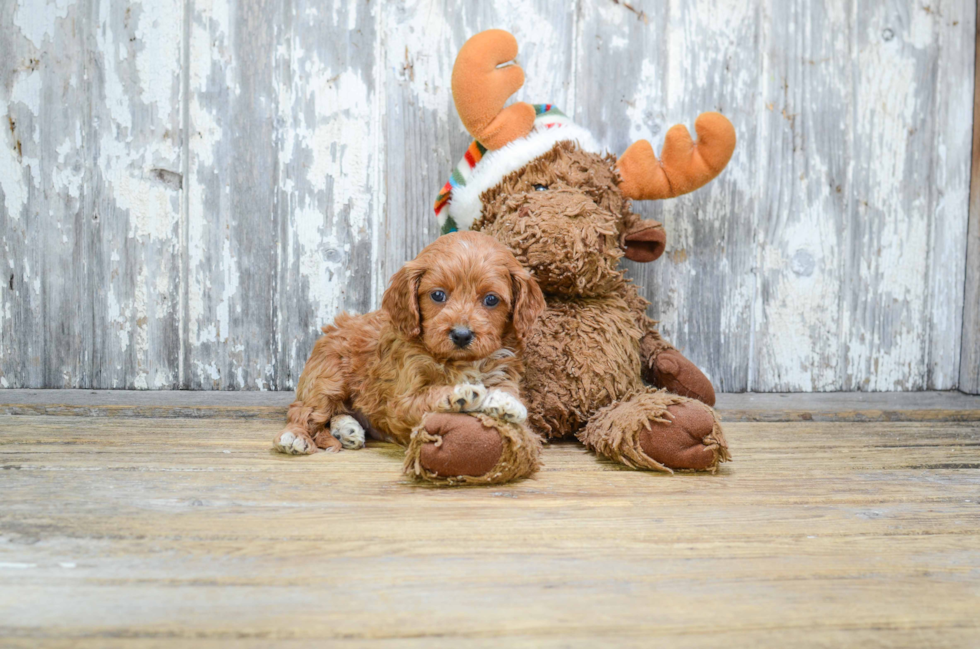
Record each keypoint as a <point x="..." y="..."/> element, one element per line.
<point x="491" y="300"/>
<point x="540" y="188"/>
<point x="438" y="296"/>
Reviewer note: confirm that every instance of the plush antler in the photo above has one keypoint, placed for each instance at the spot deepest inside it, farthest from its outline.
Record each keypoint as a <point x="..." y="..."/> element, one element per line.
<point x="684" y="165"/>
<point x="480" y="89"/>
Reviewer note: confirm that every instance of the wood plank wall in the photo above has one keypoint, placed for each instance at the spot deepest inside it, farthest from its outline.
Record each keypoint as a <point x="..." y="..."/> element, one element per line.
<point x="188" y="189"/>
<point x="970" y="357"/>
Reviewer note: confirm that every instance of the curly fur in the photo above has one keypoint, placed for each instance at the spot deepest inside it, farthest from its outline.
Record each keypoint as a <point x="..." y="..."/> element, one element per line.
<point x="615" y="429"/>
<point x="564" y="217"/>
<point x="393" y="366"/>
<point x="519" y="456"/>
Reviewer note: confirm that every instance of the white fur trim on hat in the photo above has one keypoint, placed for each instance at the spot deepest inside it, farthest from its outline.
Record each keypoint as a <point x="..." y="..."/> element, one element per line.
<point x="465" y="205"/>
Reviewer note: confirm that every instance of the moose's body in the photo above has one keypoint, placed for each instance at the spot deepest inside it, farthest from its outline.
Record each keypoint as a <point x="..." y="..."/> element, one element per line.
<point x="596" y="367"/>
<point x="565" y="218"/>
<point x="583" y="355"/>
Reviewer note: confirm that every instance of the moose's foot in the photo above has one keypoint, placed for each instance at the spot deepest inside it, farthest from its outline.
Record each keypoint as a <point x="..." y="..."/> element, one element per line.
<point x="673" y="372"/>
<point x="455" y="448"/>
<point x="658" y="431"/>
<point x="688" y="437"/>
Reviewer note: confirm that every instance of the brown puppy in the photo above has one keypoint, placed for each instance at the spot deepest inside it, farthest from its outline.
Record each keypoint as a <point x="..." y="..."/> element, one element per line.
<point x="448" y="338"/>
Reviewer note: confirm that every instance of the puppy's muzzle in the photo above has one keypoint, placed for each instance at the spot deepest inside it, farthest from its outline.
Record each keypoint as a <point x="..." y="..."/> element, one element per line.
<point x="461" y="336"/>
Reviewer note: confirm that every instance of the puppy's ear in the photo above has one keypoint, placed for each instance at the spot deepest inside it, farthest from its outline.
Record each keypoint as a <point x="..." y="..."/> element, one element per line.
<point x="528" y="301"/>
<point x="401" y="300"/>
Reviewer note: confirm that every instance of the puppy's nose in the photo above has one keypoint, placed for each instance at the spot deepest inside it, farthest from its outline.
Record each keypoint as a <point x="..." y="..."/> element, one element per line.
<point x="461" y="336"/>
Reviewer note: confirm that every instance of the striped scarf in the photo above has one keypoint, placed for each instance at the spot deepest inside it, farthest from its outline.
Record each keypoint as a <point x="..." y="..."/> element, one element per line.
<point x="547" y="116"/>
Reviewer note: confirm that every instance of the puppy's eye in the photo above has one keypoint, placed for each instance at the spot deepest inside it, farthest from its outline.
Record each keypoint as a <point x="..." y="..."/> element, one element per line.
<point x="491" y="300"/>
<point x="540" y="188"/>
<point x="438" y="296"/>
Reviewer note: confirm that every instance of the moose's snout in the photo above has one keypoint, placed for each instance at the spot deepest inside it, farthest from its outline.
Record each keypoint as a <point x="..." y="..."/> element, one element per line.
<point x="461" y="336"/>
<point x="645" y="242"/>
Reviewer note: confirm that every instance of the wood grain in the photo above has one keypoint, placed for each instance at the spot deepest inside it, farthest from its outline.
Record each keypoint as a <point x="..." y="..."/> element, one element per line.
<point x="742" y="407"/>
<point x="801" y="245"/>
<point x="146" y="532"/>
<point x="970" y="353"/>
<point x="188" y="190"/>
<point x="902" y="291"/>
<point x="90" y="162"/>
<point x="231" y="230"/>
<point x="638" y="74"/>
<point x="331" y="193"/>
<point x="424" y="138"/>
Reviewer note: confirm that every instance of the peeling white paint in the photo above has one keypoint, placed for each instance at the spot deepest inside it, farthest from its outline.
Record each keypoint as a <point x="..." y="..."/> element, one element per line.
<point x="210" y="370"/>
<point x="163" y="380"/>
<point x="922" y="28"/>
<point x="150" y="204"/>
<point x="230" y="287"/>
<point x="12" y="174"/>
<point x="323" y="296"/>
<point x="116" y="99"/>
<point x="66" y="177"/>
<point x="38" y="23"/>
<point x="641" y="110"/>
<point x="896" y="268"/>
<point x="339" y="140"/>
<point x="342" y="140"/>
<point x="14" y="166"/>
<point x="757" y="272"/>
<point x="210" y="34"/>
<point x="160" y="37"/>
<point x="118" y="319"/>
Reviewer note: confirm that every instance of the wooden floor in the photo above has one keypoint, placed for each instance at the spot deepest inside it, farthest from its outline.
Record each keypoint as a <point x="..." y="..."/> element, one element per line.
<point x="145" y="531"/>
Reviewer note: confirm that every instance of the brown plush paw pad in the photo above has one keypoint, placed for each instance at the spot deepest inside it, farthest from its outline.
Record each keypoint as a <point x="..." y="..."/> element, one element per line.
<point x="679" y="444"/>
<point x="676" y="374"/>
<point x="468" y="447"/>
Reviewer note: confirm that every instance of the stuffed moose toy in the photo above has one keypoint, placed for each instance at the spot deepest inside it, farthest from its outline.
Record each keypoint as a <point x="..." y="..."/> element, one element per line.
<point x="596" y="366"/>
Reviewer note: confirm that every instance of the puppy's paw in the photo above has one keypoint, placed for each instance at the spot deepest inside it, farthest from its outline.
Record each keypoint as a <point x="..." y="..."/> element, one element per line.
<point x="292" y="443"/>
<point x="506" y="407"/>
<point x="346" y="429"/>
<point x="467" y="397"/>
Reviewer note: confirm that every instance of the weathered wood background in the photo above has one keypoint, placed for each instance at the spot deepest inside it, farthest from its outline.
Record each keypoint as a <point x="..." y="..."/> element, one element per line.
<point x="189" y="188"/>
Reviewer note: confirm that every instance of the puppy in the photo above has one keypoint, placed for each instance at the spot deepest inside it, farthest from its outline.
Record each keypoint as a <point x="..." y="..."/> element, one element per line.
<point x="448" y="338"/>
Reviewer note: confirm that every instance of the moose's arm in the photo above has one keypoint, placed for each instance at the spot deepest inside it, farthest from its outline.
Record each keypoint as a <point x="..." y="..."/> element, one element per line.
<point x="664" y="366"/>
